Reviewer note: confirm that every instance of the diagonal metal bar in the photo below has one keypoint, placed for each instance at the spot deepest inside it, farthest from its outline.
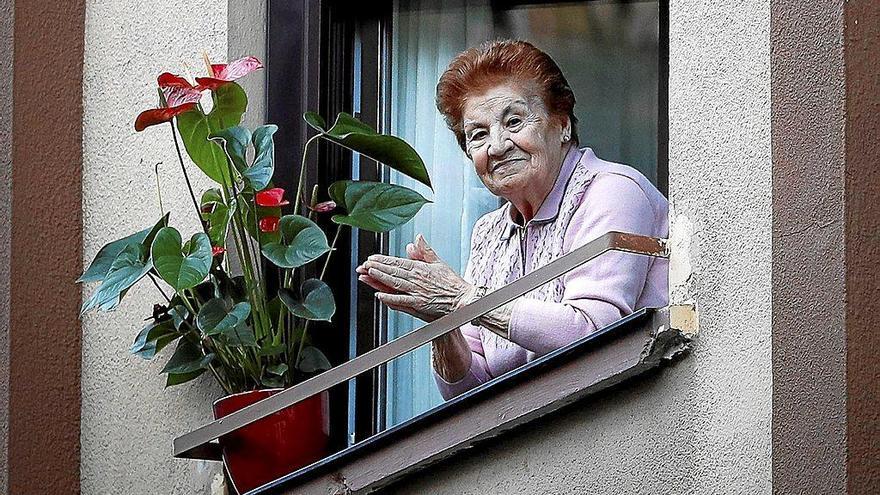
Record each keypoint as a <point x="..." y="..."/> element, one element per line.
<point x="196" y="444"/>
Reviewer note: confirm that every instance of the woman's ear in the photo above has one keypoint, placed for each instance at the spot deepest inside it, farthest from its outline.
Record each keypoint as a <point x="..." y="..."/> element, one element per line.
<point x="565" y="135"/>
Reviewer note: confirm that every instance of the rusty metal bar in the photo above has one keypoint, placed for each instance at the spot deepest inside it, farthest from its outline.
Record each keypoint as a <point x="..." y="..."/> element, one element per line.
<point x="197" y="444"/>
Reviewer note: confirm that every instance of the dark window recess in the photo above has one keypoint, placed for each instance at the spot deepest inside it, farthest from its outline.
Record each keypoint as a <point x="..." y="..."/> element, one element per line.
<point x="334" y="56"/>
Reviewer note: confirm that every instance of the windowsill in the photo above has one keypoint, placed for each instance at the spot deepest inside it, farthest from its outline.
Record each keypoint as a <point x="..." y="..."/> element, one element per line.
<point x="632" y="346"/>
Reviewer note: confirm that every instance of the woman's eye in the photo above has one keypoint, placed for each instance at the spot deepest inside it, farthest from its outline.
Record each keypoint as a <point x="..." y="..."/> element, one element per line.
<point x="514" y="121"/>
<point x="478" y="135"/>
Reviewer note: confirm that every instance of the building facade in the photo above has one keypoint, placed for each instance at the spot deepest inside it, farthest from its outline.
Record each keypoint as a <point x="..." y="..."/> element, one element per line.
<point x="773" y="113"/>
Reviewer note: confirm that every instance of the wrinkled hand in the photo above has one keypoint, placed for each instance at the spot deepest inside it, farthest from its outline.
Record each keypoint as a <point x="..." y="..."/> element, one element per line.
<point x="423" y="286"/>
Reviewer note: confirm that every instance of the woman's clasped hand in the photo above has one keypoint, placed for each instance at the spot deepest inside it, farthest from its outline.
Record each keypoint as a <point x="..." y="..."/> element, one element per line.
<point x="422" y="285"/>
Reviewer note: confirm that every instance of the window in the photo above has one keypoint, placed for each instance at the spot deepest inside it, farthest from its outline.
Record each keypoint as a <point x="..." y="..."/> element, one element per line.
<point x="382" y="62"/>
<point x="609" y="54"/>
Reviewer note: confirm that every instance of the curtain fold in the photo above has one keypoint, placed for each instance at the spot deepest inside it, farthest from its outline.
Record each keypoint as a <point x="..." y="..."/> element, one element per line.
<point x="427" y="35"/>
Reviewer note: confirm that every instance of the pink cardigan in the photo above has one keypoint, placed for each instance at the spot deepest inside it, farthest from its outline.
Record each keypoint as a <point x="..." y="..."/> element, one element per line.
<point x="590" y="197"/>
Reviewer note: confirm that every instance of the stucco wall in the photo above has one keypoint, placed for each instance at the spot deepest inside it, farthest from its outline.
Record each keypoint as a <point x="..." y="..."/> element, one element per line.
<point x="247" y="36"/>
<point x="702" y="426"/>
<point x="128" y="418"/>
<point x="6" y="28"/>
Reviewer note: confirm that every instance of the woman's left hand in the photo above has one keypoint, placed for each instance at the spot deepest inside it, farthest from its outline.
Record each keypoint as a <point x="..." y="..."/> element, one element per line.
<point x="423" y="286"/>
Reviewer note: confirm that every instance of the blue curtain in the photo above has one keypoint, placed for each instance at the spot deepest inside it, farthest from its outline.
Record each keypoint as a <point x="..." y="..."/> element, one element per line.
<point x="426" y="37"/>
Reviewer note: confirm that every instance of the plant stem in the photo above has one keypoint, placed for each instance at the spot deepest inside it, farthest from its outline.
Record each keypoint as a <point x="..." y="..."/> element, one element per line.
<point x="158" y="188"/>
<point x="159" y="288"/>
<point x="302" y="170"/>
<point x="332" y="247"/>
<point x="321" y="277"/>
<point x="192" y="194"/>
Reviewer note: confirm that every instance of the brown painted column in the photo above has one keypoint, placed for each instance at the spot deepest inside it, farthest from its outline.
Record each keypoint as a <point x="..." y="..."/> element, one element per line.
<point x="46" y="247"/>
<point x="862" y="57"/>
<point x="809" y="306"/>
<point x="826" y="246"/>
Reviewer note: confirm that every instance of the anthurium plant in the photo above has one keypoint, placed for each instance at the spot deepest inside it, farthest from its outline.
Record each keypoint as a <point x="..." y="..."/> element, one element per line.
<point x="220" y="317"/>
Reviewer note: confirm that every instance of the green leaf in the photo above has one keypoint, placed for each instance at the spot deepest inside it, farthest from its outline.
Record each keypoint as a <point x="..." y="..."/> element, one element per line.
<point x="235" y="140"/>
<point x="230" y="102"/>
<point x="375" y="206"/>
<point x="181" y="269"/>
<point x="187" y="358"/>
<point x="301" y="241"/>
<point x="101" y="264"/>
<point x="215" y="316"/>
<point x="312" y="360"/>
<point x="390" y="150"/>
<point x="272" y="350"/>
<point x="129" y="266"/>
<point x="272" y="382"/>
<point x="278" y="369"/>
<point x="239" y="336"/>
<point x="316" y="304"/>
<point x="218" y="216"/>
<point x="316" y="121"/>
<point x="260" y="172"/>
<point x="179" y="314"/>
<point x="178" y="378"/>
<point x="153" y="338"/>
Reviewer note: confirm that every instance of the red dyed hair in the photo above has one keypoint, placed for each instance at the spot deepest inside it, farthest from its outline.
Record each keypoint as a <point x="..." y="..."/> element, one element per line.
<point x="476" y="70"/>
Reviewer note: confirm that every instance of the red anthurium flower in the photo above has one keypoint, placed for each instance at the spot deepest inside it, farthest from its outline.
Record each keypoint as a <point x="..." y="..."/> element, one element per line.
<point x="224" y="73"/>
<point x="168" y="80"/>
<point x="271" y="198"/>
<point x="324" y="207"/>
<point x="269" y="224"/>
<point x="180" y="97"/>
<point x="217" y="250"/>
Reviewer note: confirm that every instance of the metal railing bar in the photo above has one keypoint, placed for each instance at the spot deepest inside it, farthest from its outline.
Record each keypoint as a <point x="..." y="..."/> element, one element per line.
<point x="191" y="444"/>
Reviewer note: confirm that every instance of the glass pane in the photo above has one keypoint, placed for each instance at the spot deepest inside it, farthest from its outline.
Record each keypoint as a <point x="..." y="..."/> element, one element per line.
<point x="608" y="52"/>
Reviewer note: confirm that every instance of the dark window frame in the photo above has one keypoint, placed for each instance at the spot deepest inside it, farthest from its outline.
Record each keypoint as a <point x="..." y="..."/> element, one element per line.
<point x="310" y="44"/>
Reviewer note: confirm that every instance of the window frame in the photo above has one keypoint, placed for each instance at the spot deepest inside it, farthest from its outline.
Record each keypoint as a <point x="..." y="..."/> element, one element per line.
<point x="314" y="41"/>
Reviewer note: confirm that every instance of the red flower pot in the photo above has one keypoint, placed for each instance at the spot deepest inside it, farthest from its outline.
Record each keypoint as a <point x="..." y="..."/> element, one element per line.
<point x="275" y="445"/>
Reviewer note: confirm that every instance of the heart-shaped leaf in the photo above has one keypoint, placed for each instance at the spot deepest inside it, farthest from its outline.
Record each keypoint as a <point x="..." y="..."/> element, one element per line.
<point x="181" y="269"/>
<point x="272" y="381"/>
<point x="230" y="102"/>
<point x="315" y="121"/>
<point x="216" y="317"/>
<point x="357" y="136"/>
<point x="260" y="172"/>
<point x="311" y="360"/>
<point x="179" y="314"/>
<point x="129" y="266"/>
<point x="187" y="358"/>
<point x="375" y="206"/>
<point x="316" y="302"/>
<point x="101" y="264"/>
<point x="235" y="140"/>
<point x="178" y="378"/>
<point x="239" y="336"/>
<point x="153" y="338"/>
<point x="217" y="215"/>
<point x="277" y="369"/>
<point x="301" y="241"/>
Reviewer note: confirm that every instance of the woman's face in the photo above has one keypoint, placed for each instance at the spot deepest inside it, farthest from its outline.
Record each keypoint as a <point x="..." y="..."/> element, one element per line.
<point x="512" y="140"/>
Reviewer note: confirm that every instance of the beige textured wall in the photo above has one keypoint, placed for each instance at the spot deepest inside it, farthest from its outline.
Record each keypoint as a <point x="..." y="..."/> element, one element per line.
<point x="6" y="28"/>
<point x="128" y="418"/>
<point x="247" y="36"/>
<point x="702" y="426"/>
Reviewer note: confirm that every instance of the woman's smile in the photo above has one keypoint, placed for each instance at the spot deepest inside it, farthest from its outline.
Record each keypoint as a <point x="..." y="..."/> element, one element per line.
<point x="506" y="164"/>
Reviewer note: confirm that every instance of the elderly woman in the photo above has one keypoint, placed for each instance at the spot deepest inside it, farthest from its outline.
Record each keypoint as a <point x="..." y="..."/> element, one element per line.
<point x="511" y="110"/>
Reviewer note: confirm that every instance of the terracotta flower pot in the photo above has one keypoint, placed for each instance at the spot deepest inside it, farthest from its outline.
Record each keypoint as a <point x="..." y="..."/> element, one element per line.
<point x="275" y="445"/>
